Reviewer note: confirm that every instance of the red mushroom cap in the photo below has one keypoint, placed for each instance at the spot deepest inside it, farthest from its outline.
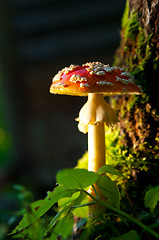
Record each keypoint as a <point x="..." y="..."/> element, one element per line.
<point x="93" y="77"/>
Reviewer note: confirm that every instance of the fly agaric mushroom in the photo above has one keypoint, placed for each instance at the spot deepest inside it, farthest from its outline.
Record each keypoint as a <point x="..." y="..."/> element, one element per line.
<point x="95" y="80"/>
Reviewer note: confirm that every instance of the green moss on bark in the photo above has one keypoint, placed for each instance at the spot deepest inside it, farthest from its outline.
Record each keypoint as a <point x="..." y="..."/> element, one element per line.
<point x="138" y="53"/>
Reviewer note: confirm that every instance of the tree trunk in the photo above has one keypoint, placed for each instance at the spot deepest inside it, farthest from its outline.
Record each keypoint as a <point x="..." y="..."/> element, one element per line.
<point x="138" y="53"/>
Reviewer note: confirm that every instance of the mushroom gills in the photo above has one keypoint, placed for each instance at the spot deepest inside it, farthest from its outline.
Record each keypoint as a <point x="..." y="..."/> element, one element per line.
<point x="96" y="110"/>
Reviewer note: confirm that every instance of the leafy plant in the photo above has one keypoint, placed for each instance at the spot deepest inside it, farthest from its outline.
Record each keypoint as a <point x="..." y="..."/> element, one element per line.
<point x="71" y="196"/>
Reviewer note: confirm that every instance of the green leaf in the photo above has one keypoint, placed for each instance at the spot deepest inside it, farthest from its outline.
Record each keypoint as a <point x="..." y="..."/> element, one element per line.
<point x="65" y="211"/>
<point x="109" y="189"/>
<point x="82" y="209"/>
<point x="132" y="235"/>
<point x="66" y="201"/>
<point x="109" y="169"/>
<point x="152" y="198"/>
<point x="35" y="231"/>
<point x="81" y="212"/>
<point x="39" y="208"/>
<point x="81" y="198"/>
<point x="76" y="178"/>
<point x="63" y="228"/>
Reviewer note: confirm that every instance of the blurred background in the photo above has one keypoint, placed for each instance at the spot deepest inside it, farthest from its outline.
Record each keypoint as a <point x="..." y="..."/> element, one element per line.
<point x="38" y="131"/>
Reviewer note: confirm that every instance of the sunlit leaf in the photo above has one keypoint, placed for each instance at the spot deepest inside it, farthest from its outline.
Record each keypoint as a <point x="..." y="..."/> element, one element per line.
<point x="76" y="178"/>
<point x="65" y="201"/>
<point x="109" y="169"/>
<point x="82" y="210"/>
<point x="39" y="208"/>
<point x="109" y="189"/>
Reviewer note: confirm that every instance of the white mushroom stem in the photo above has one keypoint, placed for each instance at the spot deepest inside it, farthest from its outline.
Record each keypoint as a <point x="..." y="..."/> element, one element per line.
<point x="96" y="146"/>
<point x="92" y="117"/>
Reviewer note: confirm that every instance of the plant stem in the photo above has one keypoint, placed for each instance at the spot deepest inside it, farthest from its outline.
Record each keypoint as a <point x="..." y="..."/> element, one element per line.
<point x="130" y="218"/>
<point x="124" y="214"/>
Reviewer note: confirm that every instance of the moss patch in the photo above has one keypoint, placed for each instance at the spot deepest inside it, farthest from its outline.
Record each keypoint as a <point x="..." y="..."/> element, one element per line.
<point x="137" y="53"/>
<point x="125" y="15"/>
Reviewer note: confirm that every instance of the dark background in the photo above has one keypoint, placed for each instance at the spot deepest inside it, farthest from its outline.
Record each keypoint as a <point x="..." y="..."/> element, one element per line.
<point x="39" y="38"/>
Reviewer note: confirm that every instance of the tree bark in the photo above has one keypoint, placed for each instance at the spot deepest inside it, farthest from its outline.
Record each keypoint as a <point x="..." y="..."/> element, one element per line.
<point x="138" y="53"/>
